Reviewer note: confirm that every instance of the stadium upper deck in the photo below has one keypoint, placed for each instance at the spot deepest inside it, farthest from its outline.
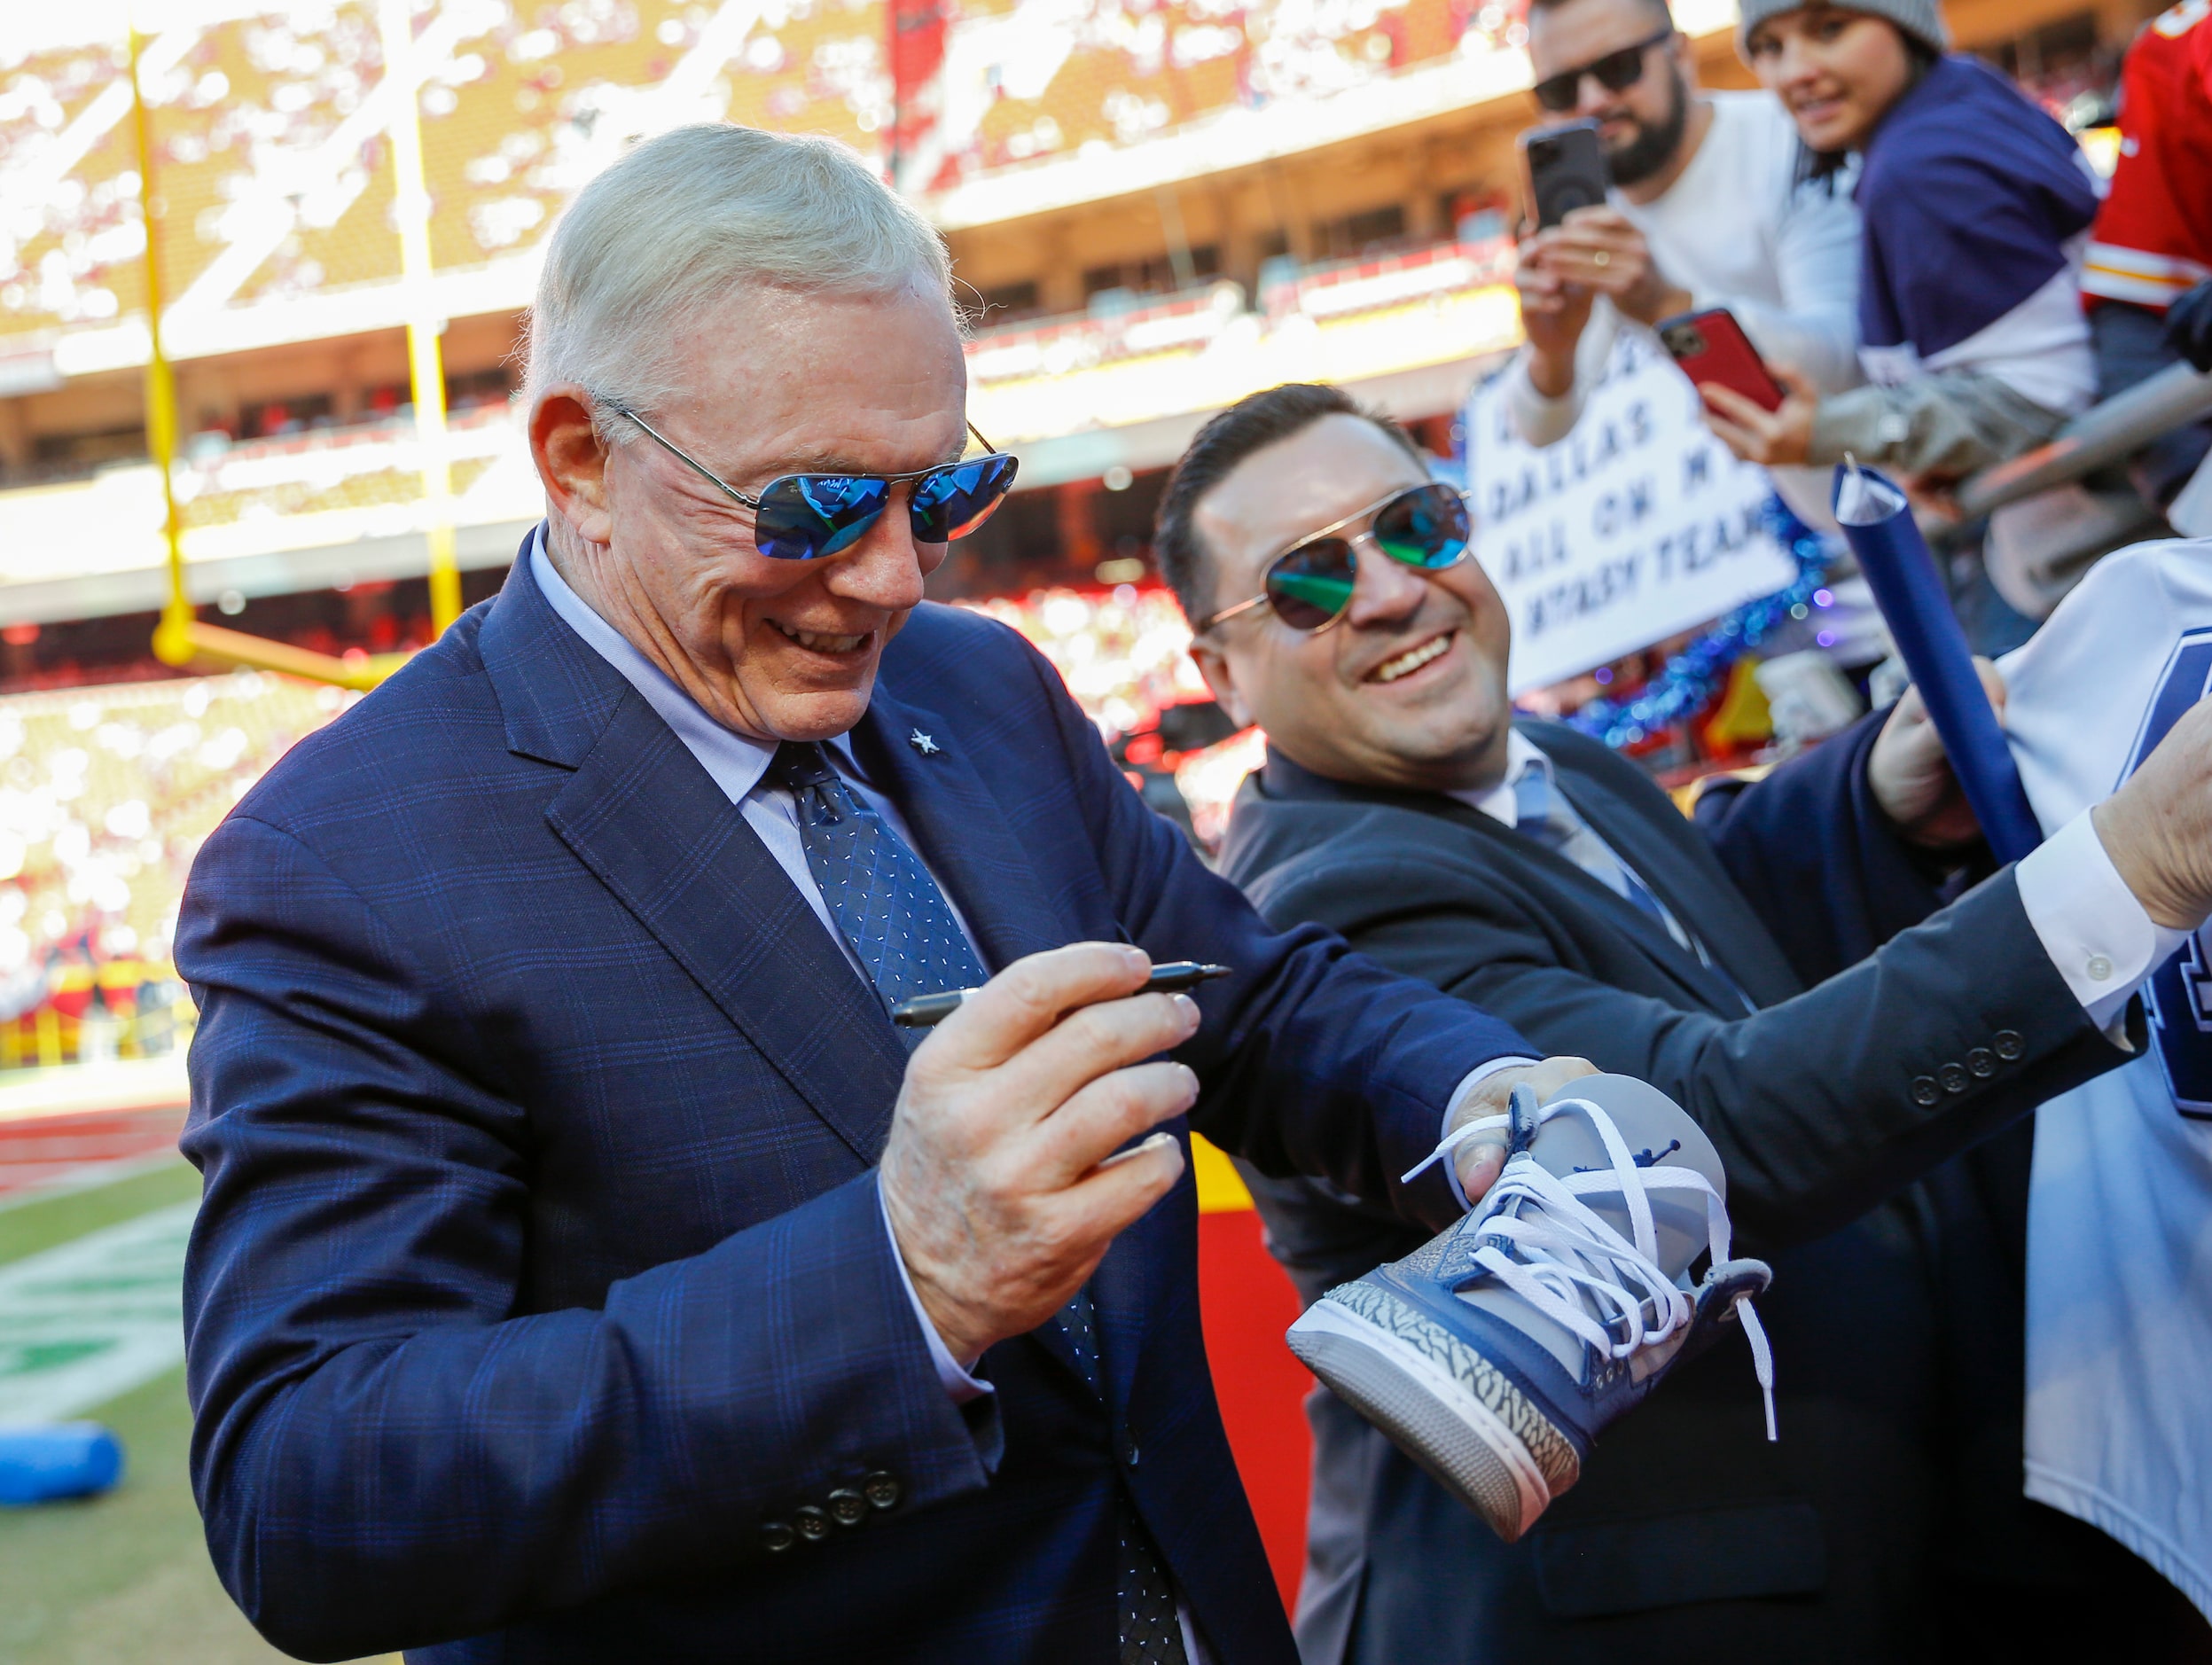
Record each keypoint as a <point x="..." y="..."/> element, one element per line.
<point x="1160" y="206"/>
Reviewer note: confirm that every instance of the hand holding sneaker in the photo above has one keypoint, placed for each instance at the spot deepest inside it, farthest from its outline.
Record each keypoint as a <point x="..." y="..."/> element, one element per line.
<point x="1476" y="1127"/>
<point x="996" y="1176"/>
<point x="1496" y="1353"/>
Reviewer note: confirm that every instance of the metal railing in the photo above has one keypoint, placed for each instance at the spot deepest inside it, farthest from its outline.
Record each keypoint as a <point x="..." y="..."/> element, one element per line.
<point x="2101" y="435"/>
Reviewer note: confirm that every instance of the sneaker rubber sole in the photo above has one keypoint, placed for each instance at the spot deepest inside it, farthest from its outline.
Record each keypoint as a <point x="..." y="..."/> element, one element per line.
<point x="1440" y="1402"/>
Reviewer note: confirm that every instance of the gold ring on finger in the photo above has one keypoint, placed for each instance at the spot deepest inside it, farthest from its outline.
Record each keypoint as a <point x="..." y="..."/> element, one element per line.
<point x="1601" y="259"/>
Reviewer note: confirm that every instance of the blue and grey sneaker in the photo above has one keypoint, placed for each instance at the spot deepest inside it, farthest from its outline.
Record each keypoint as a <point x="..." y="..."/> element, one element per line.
<point x="1495" y="1353"/>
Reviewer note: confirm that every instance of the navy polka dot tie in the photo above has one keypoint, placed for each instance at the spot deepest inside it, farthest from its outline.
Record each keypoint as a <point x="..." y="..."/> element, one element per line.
<point x="898" y="923"/>
<point x="892" y="914"/>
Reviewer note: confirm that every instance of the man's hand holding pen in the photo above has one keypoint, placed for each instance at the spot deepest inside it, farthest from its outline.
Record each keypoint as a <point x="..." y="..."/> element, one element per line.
<point x="1006" y="1177"/>
<point x="995" y="1177"/>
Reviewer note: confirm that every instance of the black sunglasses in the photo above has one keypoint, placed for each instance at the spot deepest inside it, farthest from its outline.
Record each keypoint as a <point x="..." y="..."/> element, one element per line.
<point x="1310" y="583"/>
<point x="804" y="517"/>
<point x="1616" y="72"/>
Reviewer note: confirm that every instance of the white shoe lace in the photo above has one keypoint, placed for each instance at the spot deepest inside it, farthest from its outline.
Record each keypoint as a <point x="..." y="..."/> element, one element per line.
<point x="1569" y="1255"/>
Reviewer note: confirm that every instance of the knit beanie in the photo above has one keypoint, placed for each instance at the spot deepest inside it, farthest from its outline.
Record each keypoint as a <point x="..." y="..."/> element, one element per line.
<point x="1919" y="19"/>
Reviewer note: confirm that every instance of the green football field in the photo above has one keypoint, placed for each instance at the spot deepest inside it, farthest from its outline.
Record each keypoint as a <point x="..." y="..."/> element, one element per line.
<point x="124" y="1579"/>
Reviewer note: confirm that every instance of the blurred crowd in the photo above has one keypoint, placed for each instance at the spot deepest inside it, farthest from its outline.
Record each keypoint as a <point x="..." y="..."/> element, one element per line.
<point x="105" y="796"/>
<point x="1931" y="275"/>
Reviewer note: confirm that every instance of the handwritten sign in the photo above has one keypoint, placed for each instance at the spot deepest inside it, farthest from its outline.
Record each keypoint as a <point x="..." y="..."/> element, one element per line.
<point x="1636" y="526"/>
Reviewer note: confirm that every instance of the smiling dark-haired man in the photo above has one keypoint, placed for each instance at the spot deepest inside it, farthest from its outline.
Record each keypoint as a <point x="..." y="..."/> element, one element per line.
<point x="1785" y="970"/>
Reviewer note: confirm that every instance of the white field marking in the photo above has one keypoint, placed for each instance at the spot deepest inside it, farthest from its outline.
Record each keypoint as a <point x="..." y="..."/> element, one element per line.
<point x="90" y="1320"/>
<point x="88" y="1176"/>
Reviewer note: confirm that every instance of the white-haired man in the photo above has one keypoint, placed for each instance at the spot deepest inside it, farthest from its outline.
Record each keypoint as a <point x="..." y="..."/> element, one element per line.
<point x="588" y="1268"/>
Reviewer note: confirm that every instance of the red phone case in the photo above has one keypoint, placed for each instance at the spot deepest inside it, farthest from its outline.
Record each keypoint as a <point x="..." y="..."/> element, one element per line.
<point x="1711" y="346"/>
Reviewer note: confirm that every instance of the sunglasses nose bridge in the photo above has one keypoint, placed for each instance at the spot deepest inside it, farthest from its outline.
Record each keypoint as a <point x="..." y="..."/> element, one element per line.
<point x="1381" y="586"/>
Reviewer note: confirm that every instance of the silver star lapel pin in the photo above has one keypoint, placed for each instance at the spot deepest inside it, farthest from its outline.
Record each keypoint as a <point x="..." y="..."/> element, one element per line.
<point x="923" y="744"/>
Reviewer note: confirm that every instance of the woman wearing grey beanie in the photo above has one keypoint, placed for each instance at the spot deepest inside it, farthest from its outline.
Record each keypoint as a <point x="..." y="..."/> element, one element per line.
<point x="1976" y="205"/>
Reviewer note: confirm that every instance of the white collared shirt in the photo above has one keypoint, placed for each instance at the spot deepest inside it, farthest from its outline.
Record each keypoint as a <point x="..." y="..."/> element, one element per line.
<point x="737" y="763"/>
<point x="1502" y="802"/>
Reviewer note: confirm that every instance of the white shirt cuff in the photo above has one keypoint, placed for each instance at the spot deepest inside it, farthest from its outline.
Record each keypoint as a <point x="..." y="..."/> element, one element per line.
<point x="956" y="1381"/>
<point x="2088" y="922"/>
<point x="1469" y="1082"/>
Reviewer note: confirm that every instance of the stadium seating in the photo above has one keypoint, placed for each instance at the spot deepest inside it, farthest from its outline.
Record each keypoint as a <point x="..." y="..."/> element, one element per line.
<point x="272" y="171"/>
<point x="105" y="796"/>
<point x="106" y="792"/>
<point x="268" y="157"/>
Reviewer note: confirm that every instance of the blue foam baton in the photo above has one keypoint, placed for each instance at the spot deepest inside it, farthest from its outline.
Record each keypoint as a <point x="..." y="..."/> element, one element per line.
<point x="1878" y="524"/>
<point x="61" y="1459"/>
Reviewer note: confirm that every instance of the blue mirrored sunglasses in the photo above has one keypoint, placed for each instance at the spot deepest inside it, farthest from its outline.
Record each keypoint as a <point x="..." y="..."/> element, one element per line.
<point x="804" y="517"/>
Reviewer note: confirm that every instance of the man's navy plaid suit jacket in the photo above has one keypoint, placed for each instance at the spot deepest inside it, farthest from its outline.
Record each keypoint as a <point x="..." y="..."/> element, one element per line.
<point x="540" y="1266"/>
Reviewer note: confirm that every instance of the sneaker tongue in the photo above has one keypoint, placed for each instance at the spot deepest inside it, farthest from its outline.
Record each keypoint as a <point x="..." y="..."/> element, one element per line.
<point x="1658" y="1134"/>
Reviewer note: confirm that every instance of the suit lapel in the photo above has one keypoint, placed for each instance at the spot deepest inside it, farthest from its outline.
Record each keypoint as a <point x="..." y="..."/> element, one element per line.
<point x="1127" y="1288"/>
<point x="1648" y="933"/>
<point x="1731" y="933"/>
<point x="649" y="822"/>
<point x="1644" y="928"/>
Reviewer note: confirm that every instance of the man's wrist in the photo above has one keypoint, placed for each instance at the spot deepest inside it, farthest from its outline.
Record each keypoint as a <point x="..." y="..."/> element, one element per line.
<point x="2166" y="905"/>
<point x="946" y="1352"/>
<point x="1550" y="375"/>
<point x="2100" y="938"/>
<point x="1658" y="300"/>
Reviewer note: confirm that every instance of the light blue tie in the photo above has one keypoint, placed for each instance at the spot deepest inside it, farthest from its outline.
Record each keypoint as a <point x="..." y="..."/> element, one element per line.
<point x="1545" y="815"/>
<point x="900" y="927"/>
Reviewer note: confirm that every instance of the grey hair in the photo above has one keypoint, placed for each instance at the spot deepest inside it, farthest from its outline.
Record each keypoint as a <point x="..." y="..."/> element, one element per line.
<point x="688" y="218"/>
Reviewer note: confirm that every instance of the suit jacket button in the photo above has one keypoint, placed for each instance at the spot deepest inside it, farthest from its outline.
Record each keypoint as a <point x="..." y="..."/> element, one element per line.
<point x="1982" y="1062"/>
<point x="1131" y="1454"/>
<point x="847" y="1506"/>
<point x="777" y="1536"/>
<point x="813" y="1524"/>
<point x="1953" y="1076"/>
<point x="1925" y="1092"/>
<point x="881" y="1491"/>
<point x="2009" y="1045"/>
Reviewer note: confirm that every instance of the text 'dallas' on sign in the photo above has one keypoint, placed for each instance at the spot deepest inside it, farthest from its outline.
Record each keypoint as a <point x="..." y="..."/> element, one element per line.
<point x="1635" y="527"/>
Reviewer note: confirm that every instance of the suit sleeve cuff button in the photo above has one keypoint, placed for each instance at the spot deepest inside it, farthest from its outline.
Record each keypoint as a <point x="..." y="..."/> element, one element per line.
<point x="813" y="1523"/>
<point x="1925" y="1092"/>
<point x="881" y="1491"/>
<point x="777" y="1536"/>
<point x="847" y="1507"/>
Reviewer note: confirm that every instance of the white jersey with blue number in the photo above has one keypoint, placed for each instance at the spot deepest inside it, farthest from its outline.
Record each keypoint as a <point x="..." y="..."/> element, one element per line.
<point x="2119" y="1413"/>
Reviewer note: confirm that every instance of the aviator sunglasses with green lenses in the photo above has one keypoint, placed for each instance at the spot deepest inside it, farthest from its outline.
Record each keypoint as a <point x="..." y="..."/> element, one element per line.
<point x="1309" y="584"/>
<point x="804" y="517"/>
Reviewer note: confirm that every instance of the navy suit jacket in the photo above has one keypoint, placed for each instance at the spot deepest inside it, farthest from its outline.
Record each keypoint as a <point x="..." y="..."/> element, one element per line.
<point x="541" y="1267"/>
<point x="1897" y="1332"/>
